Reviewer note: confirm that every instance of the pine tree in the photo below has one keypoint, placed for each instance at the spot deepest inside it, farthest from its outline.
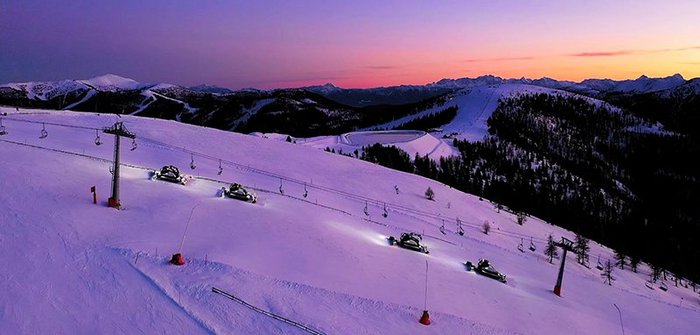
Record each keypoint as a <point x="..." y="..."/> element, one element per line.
<point x="429" y="194"/>
<point x="551" y="249"/>
<point x="521" y="218"/>
<point x="486" y="227"/>
<point x="620" y="259"/>
<point x="634" y="261"/>
<point x="581" y="248"/>
<point x="655" y="272"/>
<point x="607" y="272"/>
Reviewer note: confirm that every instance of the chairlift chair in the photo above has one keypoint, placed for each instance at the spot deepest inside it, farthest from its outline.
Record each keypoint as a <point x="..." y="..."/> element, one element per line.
<point x="520" y="246"/>
<point x="133" y="144"/>
<point x="366" y="210"/>
<point x="98" y="141"/>
<point x="2" y="129"/>
<point x="306" y="192"/>
<point x="649" y="284"/>
<point x="663" y="286"/>
<point x="532" y="245"/>
<point x="44" y="133"/>
<point x="385" y="214"/>
<point x="221" y="169"/>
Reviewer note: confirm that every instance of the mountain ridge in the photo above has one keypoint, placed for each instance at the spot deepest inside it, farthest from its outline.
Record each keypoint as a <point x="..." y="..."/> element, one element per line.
<point x="642" y="84"/>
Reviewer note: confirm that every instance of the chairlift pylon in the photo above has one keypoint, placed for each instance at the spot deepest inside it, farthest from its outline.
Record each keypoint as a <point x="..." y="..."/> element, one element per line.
<point x="98" y="141"/>
<point x="44" y="133"/>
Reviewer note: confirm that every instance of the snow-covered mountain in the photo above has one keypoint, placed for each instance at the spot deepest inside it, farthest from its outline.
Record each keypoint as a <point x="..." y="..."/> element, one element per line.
<point x="112" y="82"/>
<point x="211" y="89"/>
<point x="306" y="251"/>
<point x="593" y="87"/>
<point x="380" y="95"/>
<point x="328" y="109"/>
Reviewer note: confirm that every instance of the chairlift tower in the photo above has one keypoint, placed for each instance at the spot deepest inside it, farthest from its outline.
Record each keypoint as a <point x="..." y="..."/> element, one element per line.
<point x="566" y="245"/>
<point x="118" y="131"/>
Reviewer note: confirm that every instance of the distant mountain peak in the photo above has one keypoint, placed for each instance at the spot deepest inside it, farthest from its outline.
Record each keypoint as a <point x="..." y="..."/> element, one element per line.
<point x="112" y="82"/>
<point x="211" y="89"/>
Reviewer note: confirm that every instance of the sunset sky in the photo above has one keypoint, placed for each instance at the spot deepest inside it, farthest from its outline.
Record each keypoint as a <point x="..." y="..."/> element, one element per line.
<point x="360" y="43"/>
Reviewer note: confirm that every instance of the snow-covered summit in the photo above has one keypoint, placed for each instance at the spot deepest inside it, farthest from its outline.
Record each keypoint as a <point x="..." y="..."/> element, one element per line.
<point x="112" y="82"/>
<point x="323" y="89"/>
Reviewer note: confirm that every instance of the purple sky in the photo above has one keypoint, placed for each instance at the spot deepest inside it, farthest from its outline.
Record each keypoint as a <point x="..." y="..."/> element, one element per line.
<point x="357" y="43"/>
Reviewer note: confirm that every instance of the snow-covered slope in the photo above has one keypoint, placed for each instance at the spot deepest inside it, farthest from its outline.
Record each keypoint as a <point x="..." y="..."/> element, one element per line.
<point x="47" y="90"/>
<point x="69" y="266"/>
<point x="411" y="141"/>
<point x="475" y="105"/>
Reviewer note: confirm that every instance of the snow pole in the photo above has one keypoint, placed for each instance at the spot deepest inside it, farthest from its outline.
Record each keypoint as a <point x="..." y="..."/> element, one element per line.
<point x="425" y="303"/>
<point x="94" y="194"/>
<point x="177" y="258"/>
<point x="425" y="317"/>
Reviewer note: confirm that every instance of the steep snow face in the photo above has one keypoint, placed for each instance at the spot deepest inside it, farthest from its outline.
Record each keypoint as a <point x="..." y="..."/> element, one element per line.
<point x="112" y="82"/>
<point x="69" y="266"/>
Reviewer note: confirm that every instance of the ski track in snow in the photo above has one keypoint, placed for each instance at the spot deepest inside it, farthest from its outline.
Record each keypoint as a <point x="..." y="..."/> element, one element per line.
<point x="87" y="97"/>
